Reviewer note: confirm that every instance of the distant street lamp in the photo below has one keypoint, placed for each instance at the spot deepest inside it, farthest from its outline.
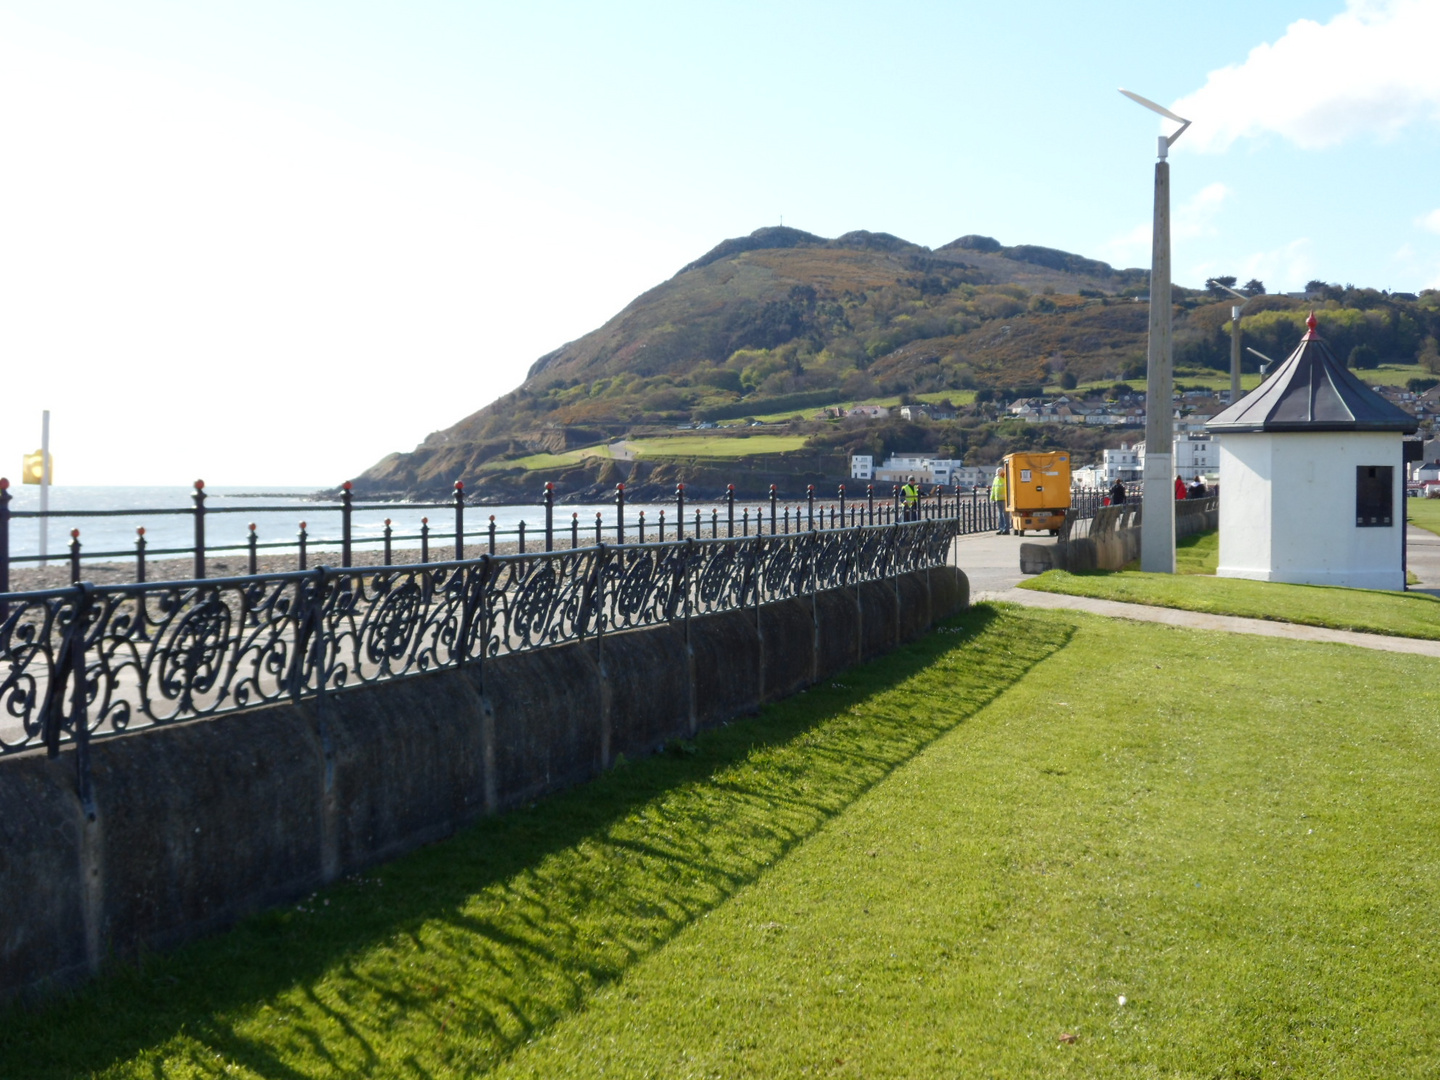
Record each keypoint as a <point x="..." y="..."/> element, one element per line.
<point x="1157" y="519"/>
<point x="1235" y="310"/>
<point x="1266" y="366"/>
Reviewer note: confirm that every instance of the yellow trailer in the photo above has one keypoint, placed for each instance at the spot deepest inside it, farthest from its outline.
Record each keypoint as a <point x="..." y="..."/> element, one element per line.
<point x="1037" y="490"/>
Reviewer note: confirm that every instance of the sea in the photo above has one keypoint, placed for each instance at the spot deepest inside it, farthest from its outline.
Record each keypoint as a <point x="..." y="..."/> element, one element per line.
<point x="167" y="516"/>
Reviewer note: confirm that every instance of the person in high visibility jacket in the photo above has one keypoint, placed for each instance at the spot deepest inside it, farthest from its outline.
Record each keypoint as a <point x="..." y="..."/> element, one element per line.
<point x="997" y="496"/>
<point x="911" y="495"/>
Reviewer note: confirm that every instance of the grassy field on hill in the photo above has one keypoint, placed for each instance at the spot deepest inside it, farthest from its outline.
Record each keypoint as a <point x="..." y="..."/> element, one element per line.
<point x="701" y="445"/>
<point x="1034" y="844"/>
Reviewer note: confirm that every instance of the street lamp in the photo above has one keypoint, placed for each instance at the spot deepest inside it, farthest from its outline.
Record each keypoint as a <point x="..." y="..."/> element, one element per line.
<point x="1235" y="310"/>
<point x="1157" y="519"/>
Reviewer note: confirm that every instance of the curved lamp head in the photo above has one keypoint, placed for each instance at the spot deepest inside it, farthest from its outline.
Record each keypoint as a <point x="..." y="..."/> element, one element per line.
<point x="1165" y="141"/>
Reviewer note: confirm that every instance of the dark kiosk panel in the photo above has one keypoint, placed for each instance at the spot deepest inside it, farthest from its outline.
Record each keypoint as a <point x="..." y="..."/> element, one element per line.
<point x="1374" y="496"/>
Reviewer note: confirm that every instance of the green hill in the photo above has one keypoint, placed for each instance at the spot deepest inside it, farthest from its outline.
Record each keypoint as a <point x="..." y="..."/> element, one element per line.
<point x="782" y="323"/>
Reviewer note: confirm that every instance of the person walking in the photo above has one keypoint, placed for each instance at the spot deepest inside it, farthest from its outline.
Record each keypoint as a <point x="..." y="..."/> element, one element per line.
<point x="1117" y="493"/>
<point x="911" y="496"/>
<point x="997" y="498"/>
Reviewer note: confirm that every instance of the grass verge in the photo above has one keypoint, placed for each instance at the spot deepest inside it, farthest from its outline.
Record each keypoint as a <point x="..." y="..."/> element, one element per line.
<point x="446" y="961"/>
<point x="1370" y="611"/>
<point x="1424" y="512"/>
<point x="1196" y="855"/>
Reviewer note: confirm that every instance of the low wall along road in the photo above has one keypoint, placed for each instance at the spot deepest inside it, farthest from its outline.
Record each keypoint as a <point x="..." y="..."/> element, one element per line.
<point x="142" y="839"/>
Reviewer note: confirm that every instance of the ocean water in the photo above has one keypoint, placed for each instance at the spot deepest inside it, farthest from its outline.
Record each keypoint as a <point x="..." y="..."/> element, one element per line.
<point x="167" y="515"/>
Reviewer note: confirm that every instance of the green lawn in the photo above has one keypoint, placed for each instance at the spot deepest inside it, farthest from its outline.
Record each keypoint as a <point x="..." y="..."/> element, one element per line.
<point x="1424" y="513"/>
<point x="934" y="866"/>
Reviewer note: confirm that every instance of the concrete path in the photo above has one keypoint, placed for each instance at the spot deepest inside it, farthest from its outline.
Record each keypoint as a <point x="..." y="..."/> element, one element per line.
<point x="992" y="564"/>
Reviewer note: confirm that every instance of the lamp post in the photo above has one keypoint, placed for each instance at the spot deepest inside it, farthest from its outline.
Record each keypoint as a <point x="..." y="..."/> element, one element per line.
<point x="1235" y="310"/>
<point x="1157" y="520"/>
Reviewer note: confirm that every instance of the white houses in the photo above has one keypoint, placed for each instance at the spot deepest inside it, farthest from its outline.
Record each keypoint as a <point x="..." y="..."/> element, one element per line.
<point x="1312" y="478"/>
<point x="862" y="466"/>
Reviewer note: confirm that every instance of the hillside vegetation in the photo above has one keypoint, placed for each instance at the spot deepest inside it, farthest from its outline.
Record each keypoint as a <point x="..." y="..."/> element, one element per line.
<point x="782" y="323"/>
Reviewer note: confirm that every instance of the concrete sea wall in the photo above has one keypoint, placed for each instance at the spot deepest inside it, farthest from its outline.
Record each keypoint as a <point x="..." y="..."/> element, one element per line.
<point x="200" y="823"/>
<point x="1114" y="538"/>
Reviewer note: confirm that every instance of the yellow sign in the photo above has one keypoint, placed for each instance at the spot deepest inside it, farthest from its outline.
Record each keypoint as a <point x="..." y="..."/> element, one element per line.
<point x="30" y="473"/>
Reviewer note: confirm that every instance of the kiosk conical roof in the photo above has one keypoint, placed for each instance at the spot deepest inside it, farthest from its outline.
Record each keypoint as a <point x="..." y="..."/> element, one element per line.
<point x="1312" y="391"/>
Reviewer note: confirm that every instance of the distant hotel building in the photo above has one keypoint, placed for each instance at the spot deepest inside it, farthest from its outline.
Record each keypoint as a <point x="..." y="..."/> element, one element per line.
<point x="926" y="470"/>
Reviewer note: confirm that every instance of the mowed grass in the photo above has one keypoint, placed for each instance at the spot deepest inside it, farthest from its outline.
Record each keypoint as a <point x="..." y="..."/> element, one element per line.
<point x="1423" y="512"/>
<point x="934" y="866"/>
<point x="1415" y="615"/>
<point x="1234" y="835"/>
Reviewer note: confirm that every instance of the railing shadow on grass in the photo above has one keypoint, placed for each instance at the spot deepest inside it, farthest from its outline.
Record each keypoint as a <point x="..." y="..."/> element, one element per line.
<point x="554" y="900"/>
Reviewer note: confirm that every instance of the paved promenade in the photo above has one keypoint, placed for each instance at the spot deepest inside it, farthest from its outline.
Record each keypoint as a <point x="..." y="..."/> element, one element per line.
<point x="993" y="566"/>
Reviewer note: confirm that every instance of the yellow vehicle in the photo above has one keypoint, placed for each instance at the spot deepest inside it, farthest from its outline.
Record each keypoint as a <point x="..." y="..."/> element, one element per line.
<point x="1037" y="490"/>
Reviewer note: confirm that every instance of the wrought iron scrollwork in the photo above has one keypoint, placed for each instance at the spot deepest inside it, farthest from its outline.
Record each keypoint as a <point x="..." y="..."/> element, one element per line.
<point x="91" y="661"/>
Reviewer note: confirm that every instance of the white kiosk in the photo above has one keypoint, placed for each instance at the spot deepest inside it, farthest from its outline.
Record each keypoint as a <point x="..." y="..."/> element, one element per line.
<point x="1312" y="478"/>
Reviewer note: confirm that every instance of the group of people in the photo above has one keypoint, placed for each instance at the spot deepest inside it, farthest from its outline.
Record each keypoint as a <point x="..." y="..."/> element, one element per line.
<point x="1195" y="490"/>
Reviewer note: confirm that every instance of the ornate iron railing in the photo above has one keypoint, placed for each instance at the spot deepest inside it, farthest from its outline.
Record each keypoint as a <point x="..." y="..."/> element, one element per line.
<point x="91" y="661"/>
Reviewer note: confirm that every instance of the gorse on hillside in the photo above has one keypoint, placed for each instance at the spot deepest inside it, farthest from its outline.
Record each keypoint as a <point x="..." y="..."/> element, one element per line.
<point x="783" y="320"/>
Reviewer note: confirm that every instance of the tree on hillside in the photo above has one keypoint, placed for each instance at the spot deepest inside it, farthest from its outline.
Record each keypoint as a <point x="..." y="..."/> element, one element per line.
<point x="1254" y="287"/>
<point x="1213" y="285"/>
<point x="1068" y="381"/>
<point x="1363" y="357"/>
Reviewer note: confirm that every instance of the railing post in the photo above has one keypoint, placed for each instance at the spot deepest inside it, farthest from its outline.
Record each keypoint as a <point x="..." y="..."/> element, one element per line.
<point x="714" y="522"/>
<point x="730" y="508"/>
<point x="491" y="533"/>
<point x="599" y="524"/>
<point x="894" y="502"/>
<point x="74" y="556"/>
<point x="254" y="560"/>
<point x="303" y="535"/>
<point x="79" y="695"/>
<point x="641" y="526"/>
<point x="661" y="527"/>
<point x="620" y="514"/>
<point x="842" y="506"/>
<point x="870" y="499"/>
<point x="696" y="534"/>
<point x="424" y="540"/>
<point x="679" y="511"/>
<point x="460" y="520"/>
<point x="199" y="528"/>
<point x="521" y="548"/>
<point x="345" y="511"/>
<point x="387" y="542"/>
<point x="774" y="495"/>
<point x="810" y="509"/>
<point x="574" y="529"/>
<point x="140" y="554"/>
<point x="745" y="522"/>
<point x="5" y="498"/>
<point x="549" y="516"/>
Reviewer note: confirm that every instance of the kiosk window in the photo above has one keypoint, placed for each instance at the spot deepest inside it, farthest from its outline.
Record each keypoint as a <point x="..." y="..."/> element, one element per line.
<point x="1374" y="496"/>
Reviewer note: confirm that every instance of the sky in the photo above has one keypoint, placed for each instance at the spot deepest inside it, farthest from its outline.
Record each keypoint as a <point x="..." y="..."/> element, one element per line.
<point x="270" y="242"/>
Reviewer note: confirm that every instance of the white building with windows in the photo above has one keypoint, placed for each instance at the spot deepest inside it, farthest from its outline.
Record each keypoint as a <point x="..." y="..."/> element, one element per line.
<point x="1311" y="480"/>
<point x="862" y="467"/>
<point x="926" y="470"/>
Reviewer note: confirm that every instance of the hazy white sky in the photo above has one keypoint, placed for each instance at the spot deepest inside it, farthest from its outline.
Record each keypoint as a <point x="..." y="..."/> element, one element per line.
<point x="269" y="242"/>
